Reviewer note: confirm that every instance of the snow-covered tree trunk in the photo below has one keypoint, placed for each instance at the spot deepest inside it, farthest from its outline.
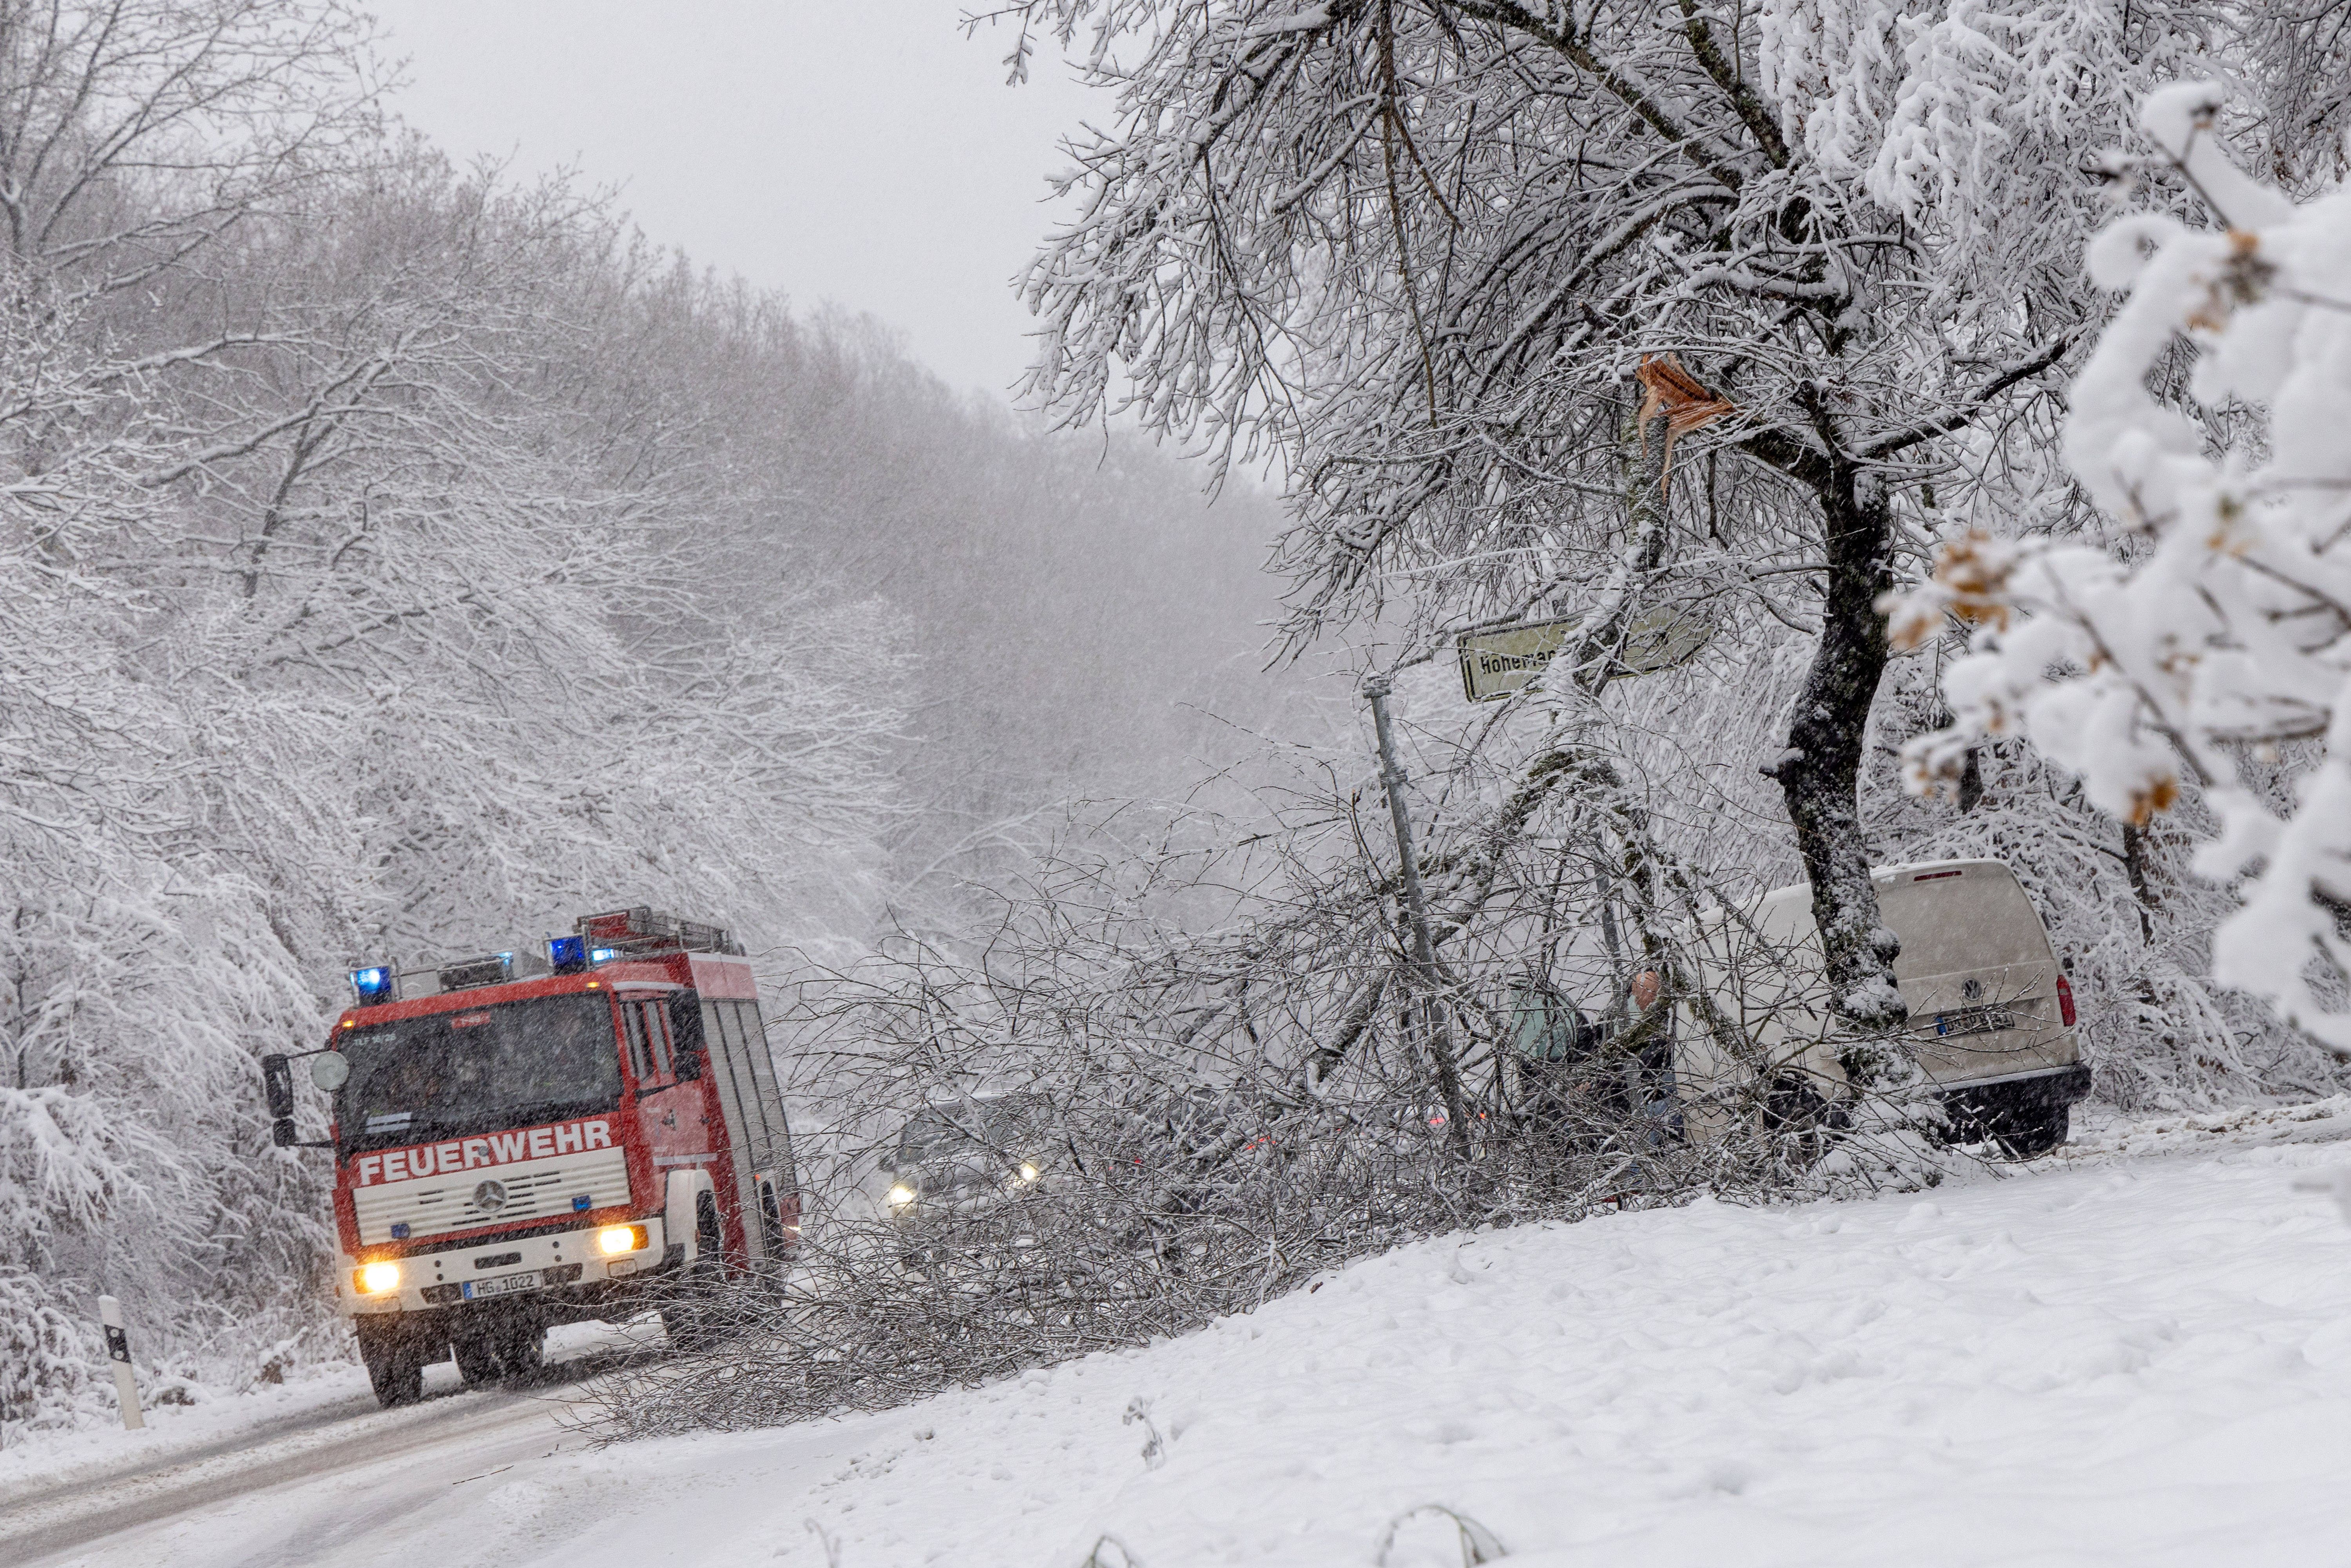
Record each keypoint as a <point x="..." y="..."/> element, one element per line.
<point x="1820" y="773"/>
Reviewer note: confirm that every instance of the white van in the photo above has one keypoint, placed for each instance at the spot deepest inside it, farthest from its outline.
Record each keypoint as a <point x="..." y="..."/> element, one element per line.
<point x="1991" y="1013"/>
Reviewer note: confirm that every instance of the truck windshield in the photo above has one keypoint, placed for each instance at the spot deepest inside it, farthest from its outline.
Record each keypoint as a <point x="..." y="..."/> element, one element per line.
<point x="477" y="1070"/>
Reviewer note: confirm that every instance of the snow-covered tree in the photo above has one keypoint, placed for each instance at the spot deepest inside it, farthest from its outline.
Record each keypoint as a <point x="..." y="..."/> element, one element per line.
<point x="1601" y="311"/>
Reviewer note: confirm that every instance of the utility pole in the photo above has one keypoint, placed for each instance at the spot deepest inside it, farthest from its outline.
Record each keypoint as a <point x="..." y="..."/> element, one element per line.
<point x="1424" y="946"/>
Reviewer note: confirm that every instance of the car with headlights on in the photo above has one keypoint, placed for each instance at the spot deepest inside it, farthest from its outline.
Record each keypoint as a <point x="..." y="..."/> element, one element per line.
<point x="958" y="1157"/>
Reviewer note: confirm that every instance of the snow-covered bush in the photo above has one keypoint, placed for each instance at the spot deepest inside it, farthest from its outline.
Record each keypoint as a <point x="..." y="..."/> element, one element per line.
<point x="49" y="1356"/>
<point x="2208" y="649"/>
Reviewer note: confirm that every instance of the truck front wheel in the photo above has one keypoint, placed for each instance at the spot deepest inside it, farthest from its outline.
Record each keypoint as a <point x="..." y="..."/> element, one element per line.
<point x="396" y="1354"/>
<point x="691" y="1314"/>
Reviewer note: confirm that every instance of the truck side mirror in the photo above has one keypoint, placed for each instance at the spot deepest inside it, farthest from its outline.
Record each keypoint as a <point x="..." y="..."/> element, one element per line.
<point x="278" y="1085"/>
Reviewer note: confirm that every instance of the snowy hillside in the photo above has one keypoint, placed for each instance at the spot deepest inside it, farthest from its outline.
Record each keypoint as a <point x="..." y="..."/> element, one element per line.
<point x="2133" y="1353"/>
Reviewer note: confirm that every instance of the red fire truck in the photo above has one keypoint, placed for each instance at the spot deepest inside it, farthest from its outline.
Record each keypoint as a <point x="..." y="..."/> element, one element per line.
<point x="523" y="1141"/>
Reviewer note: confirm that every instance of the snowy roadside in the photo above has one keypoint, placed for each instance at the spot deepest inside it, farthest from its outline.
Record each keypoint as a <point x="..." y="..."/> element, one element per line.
<point x="312" y="1396"/>
<point x="40" y="1459"/>
<point x="2106" y="1357"/>
<point x="2113" y="1137"/>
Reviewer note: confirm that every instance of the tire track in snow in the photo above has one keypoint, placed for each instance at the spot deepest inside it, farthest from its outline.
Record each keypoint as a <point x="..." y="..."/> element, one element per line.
<point x="355" y="1435"/>
<point x="53" y="1523"/>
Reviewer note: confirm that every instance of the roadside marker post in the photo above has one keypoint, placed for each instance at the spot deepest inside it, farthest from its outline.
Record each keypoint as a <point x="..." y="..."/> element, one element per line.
<point x="118" y="1351"/>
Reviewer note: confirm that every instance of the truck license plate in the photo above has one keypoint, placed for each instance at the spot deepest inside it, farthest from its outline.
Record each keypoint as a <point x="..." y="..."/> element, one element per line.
<point x="1974" y="1020"/>
<point x="476" y="1289"/>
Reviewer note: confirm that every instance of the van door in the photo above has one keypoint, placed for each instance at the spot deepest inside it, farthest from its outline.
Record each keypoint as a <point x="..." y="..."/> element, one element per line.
<point x="1762" y="970"/>
<point x="1977" y="970"/>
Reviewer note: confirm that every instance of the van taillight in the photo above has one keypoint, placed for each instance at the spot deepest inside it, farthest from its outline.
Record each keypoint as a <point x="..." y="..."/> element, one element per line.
<point x="2065" y="1000"/>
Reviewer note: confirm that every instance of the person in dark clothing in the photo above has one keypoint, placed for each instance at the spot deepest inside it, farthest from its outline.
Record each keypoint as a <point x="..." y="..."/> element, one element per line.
<point x="1578" y="1075"/>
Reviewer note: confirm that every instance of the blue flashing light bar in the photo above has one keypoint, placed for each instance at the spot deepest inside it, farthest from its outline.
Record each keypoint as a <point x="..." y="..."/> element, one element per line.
<point x="603" y="954"/>
<point x="567" y="955"/>
<point x="372" y="985"/>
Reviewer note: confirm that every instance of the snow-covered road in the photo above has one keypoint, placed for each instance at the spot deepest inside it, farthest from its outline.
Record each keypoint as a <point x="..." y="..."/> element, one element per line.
<point x="382" y="1463"/>
<point x="2135" y="1353"/>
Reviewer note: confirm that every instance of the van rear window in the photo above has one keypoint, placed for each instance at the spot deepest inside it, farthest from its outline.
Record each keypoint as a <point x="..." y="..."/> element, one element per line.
<point x="1972" y="923"/>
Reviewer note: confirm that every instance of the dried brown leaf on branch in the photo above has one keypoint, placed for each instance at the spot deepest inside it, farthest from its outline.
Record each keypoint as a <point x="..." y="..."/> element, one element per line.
<point x="1969" y="583"/>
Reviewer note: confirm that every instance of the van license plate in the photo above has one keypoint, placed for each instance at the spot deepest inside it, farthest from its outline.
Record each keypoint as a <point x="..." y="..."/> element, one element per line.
<point x="476" y="1289"/>
<point x="1974" y="1020"/>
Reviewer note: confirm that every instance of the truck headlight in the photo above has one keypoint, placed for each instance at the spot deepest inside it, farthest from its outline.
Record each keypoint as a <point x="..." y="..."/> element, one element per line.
<point x="375" y="1279"/>
<point x="619" y="1238"/>
<point x="900" y="1196"/>
<point x="1028" y="1175"/>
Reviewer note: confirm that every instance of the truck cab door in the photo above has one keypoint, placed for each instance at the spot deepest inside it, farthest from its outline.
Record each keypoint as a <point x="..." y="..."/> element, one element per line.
<point x="670" y="1108"/>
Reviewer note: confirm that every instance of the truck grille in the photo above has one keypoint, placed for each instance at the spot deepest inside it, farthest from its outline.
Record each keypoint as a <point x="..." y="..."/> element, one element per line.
<point x="534" y="1189"/>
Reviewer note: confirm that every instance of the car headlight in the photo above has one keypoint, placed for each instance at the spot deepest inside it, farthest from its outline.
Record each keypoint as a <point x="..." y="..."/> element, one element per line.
<point x="375" y="1279"/>
<point x="619" y="1238"/>
<point x="900" y="1196"/>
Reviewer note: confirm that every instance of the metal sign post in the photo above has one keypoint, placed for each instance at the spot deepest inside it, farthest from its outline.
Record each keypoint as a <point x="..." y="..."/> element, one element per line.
<point x="1424" y="946"/>
<point x="118" y="1351"/>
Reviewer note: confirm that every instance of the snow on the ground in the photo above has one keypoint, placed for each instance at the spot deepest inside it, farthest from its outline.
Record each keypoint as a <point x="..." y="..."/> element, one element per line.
<point x="2138" y="1353"/>
<point x="313" y="1395"/>
<point x="47" y="1457"/>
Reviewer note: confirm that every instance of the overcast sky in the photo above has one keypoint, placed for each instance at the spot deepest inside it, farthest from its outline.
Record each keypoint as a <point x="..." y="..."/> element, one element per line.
<point x="866" y="153"/>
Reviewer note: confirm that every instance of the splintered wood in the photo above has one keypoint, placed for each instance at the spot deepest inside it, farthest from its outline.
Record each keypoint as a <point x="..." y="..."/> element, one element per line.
<point x="1683" y="401"/>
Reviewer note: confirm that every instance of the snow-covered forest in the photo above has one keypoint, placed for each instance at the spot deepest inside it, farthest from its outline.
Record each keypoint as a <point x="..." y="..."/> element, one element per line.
<point x="401" y="558"/>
